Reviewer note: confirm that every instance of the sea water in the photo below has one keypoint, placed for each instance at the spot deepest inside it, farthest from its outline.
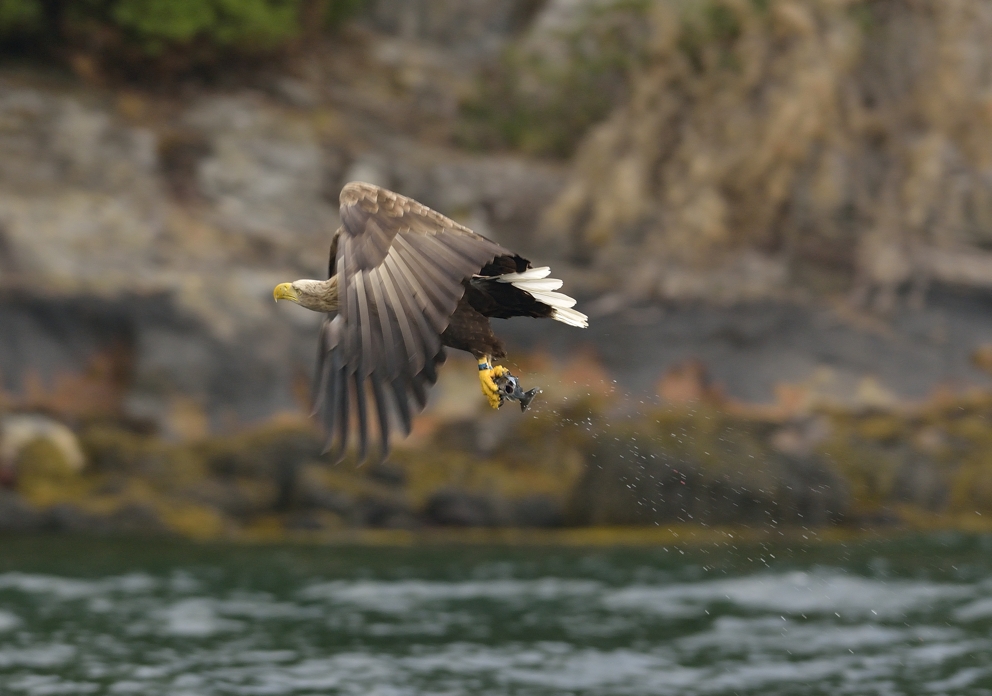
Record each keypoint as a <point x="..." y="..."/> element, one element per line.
<point x="903" y="616"/>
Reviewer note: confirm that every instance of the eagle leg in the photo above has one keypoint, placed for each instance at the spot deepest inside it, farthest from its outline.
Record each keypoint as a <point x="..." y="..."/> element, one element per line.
<point x="487" y="376"/>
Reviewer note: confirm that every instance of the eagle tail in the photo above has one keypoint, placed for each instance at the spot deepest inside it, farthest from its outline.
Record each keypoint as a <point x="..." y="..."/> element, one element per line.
<point x="536" y="283"/>
<point x="569" y="316"/>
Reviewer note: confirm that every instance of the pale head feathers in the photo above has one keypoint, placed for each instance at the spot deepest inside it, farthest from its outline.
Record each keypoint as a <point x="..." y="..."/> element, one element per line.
<point x="318" y="295"/>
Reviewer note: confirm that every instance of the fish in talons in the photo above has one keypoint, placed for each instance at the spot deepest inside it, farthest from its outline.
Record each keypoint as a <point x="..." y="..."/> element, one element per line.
<point x="510" y="390"/>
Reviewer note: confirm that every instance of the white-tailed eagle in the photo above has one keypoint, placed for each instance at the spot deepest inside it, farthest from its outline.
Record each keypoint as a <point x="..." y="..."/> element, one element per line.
<point x="406" y="281"/>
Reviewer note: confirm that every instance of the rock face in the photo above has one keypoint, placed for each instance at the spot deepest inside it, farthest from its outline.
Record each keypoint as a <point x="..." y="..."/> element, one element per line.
<point x="138" y="251"/>
<point x="813" y="143"/>
<point x="770" y="154"/>
<point x="141" y="235"/>
<point x="476" y="29"/>
<point x="634" y="486"/>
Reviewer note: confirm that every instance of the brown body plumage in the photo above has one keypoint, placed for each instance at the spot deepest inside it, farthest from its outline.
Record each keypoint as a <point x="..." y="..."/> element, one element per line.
<point x="405" y="281"/>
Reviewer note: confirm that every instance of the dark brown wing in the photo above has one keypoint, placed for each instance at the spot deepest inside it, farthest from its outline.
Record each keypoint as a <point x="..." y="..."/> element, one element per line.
<point x="400" y="267"/>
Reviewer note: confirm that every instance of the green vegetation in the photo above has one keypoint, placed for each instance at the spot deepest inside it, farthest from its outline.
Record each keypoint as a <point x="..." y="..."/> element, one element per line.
<point x="163" y="33"/>
<point x="542" y="101"/>
<point x="155" y="24"/>
<point x="709" y="33"/>
<point x="577" y="465"/>
<point x="20" y="16"/>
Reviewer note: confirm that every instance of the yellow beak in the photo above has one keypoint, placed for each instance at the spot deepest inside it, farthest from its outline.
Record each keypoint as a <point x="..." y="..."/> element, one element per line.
<point x="284" y="291"/>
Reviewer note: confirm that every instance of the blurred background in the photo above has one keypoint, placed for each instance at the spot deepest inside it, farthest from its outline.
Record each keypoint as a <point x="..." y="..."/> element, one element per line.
<point x="777" y="214"/>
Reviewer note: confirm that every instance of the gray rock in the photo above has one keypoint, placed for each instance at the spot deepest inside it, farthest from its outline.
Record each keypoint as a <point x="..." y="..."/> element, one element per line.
<point x="457" y="508"/>
<point x="17" y="515"/>
<point x="630" y="482"/>
<point x="264" y="173"/>
<point x="472" y="29"/>
<point x="536" y="511"/>
<point x="154" y="255"/>
<point x="386" y="512"/>
<point x="132" y="519"/>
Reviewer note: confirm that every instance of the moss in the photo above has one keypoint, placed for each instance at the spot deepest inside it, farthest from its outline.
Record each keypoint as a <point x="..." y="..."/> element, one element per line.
<point x="861" y="13"/>
<point x="155" y="24"/>
<point x="709" y="32"/>
<point x="45" y="475"/>
<point x="193" y="521"/>
<point x="672" y="465"/>
<point x="20" y="16"/>
<point x="260" y="451"/>
<point x="114" y="449"/>
<point x="886" y="428"/>
<point x="543" y="106"/>
<point x="165" y="35"/>
<point x="868" y="470"/>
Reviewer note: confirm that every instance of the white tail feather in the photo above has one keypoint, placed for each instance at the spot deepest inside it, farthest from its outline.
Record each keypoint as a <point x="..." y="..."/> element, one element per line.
<point x="554" y="299"/>
<point x="535" y="282"/>
<point x="570" y="317"/>
<point x="543" y="285"/>
<point x="529" y="274"/>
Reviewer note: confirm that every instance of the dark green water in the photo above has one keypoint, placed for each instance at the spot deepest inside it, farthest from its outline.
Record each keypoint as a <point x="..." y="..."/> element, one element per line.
<point x="909" y="616"/>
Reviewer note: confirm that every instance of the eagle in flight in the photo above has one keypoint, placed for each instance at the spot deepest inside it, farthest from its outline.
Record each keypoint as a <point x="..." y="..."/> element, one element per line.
<point x="406" y="281"/>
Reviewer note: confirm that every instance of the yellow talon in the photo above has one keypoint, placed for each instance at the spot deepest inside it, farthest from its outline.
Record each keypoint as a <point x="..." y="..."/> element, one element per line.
<point x="487" y="374"/>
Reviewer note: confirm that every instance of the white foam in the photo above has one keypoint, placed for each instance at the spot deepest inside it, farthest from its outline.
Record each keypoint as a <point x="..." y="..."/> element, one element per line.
<point x="402" y="596"/>
<point x="71" y="588"/>
<point x="50" y="655"/>
<point x="8" y="621"/>
<point x="792" y="593"/>
<point x="194" y="618"/>
<point x="406" y="637"/>
<point x="977" y="610"/>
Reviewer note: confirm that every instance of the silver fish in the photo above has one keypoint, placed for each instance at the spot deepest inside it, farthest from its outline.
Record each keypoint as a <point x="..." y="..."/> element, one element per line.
<point x="509" y="388"/>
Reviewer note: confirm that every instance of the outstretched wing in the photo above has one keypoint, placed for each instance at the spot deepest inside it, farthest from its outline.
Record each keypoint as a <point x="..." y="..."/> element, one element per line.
<point x="400" y="267"/>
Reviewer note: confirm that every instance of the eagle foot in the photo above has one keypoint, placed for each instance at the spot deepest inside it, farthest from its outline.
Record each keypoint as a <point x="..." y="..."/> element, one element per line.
<point x="487" y="376"/>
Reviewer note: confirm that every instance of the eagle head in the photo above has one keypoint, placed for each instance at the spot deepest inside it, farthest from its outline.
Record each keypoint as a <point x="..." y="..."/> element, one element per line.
<point x="318" y="295"/>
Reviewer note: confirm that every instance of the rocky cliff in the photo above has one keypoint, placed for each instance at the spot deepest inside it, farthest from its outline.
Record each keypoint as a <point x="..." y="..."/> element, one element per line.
<point x="787" y="199"/>
<point x="826" y="145"/>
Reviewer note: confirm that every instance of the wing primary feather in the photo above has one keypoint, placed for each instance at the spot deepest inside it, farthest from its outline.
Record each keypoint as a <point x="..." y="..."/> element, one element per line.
<point x="430" y="297"/>
<point x="320" y="387"/>
<point x="453" y="259"/>
<point x="363" y="418"/>
<point x="402" y="403"/>
<point x="430" y="368"/>
<point x="379" y="238"/>
<point x="342" y="417"/>
<point x="385" y="324"/>
<point x="440" y="288"/>
<point x="426" y="304"/>
<point x="350" y="308"/>
<point x="364" y="322"/>
<point x="382" y="412"/>
<point x="419" y="393"/>
<point x="331" y="403"/>
<point x="446" y="289"/>
<point x="316" y="386"/>
<point x="414" y="353"/>
<point x="473" y="248"/>
<point x="413" y="307"/>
